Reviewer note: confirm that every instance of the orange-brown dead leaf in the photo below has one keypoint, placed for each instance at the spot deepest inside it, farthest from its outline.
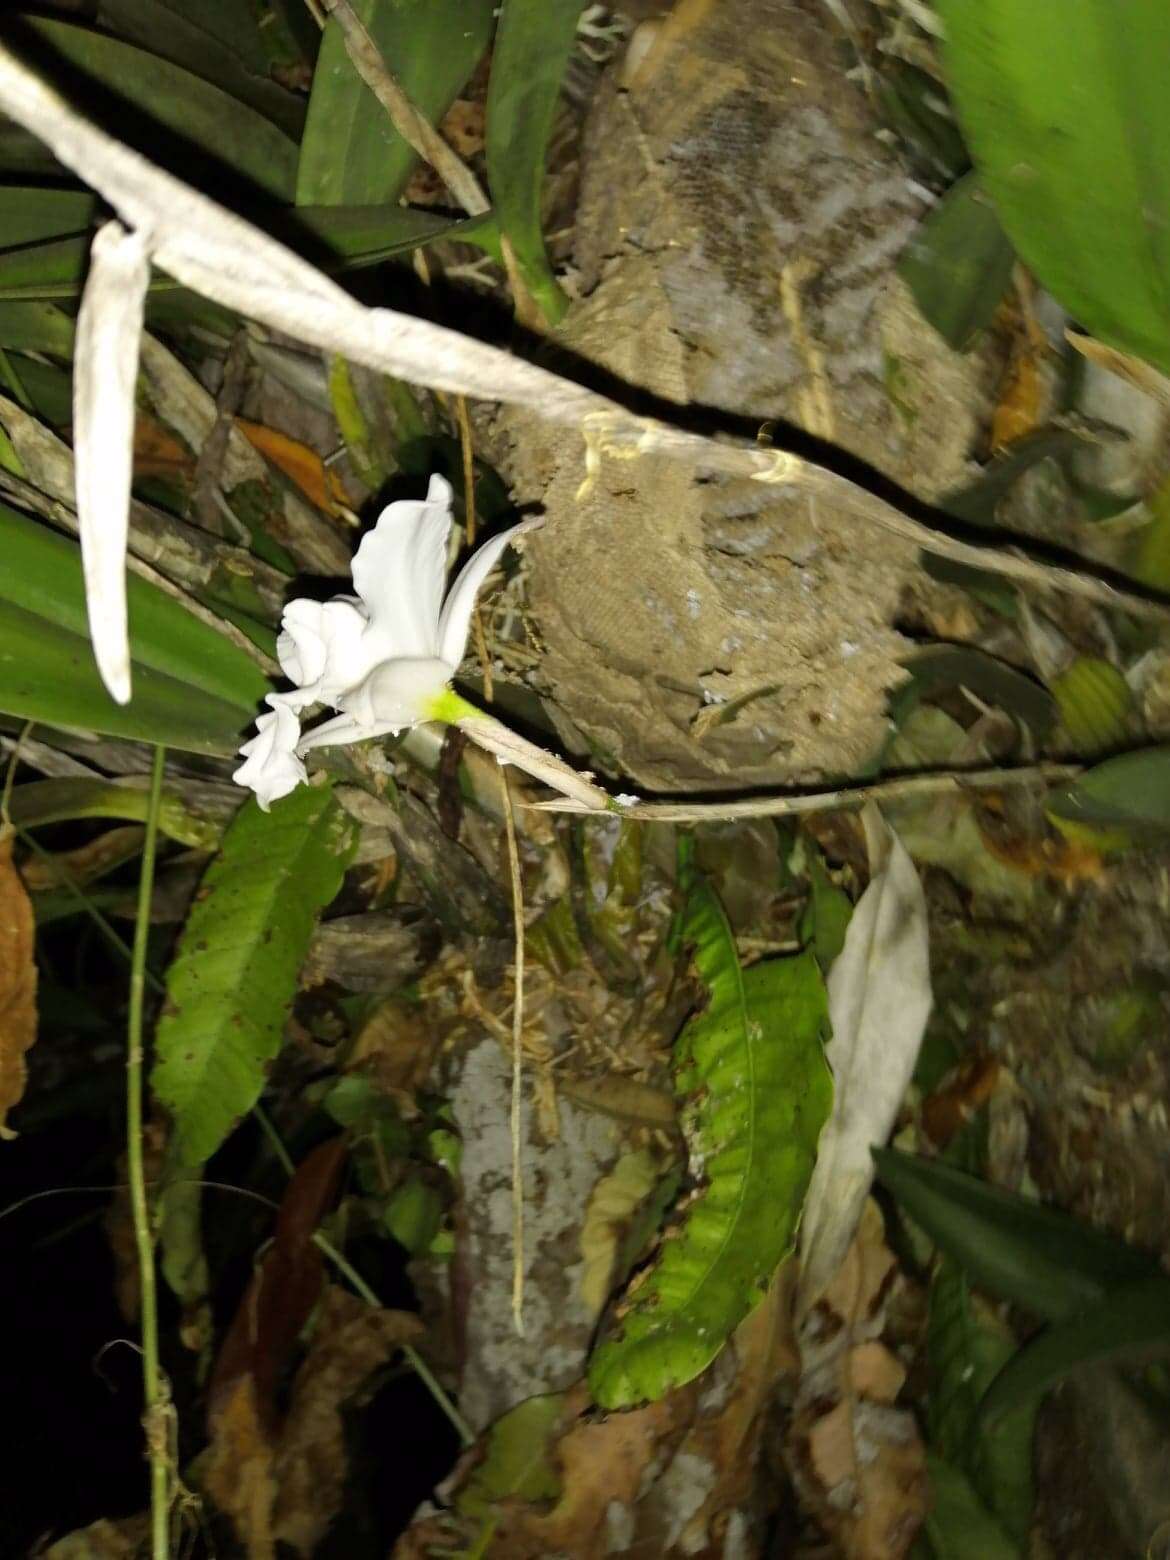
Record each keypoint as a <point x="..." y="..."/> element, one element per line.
<point x="18" y="982"/>
<point x="965" y="1090"/>
<point x="1068" y="861"/>
<point x="300" y="464"/>
<point x="395" y="1048"/>
<point x="857" y="1460"/>
<point x="239" y="1471"/>
<point x="158" y="453"/>
<point x="87" y="862"/>
<point x="1021" y="403"/>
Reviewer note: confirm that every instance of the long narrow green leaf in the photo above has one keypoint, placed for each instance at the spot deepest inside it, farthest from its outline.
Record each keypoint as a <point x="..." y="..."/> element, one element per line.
<point x="1038" y="1258"/>
<point x="232" y="981"/>
<point x="968" y="1345"/>
<point x="751" y="1072"/>
<point x="338" y="238"/>
<point x="1132" y="1324"/>
<point x="1129" y="794"/>
<point x="52" y="801"/>
<point x="31" y="213"/>
<point x="36" y="327"/>
<point x="958" y="1524"/>
<point x="221" y="46"/>
<point x="193" y="689"/>
<point x="531" y="51"/>
<point x="351" y="153"/>
<point x="207" y="119"/>
<point x="1064" y="106"/>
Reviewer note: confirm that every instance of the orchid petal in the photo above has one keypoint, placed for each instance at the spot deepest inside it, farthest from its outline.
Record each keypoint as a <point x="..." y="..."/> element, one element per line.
<point x="271" y="766"/>
<point x="321" y="648"/>
<point x="398" y="692"/>
<point x="455" y="618"/>
<point x="105" y="368"/>
<point x="341" y="730"/>
<point x="400" y="569"/>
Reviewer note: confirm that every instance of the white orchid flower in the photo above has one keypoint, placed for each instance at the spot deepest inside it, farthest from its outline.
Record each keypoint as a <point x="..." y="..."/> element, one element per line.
<point x="385" y="656"/>
<point x="272" y="768"/>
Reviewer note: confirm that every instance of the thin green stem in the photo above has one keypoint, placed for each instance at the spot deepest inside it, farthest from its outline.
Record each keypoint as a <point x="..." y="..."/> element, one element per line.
<point x="12" y="380"/>
<point x="101" y="922"/>
<point x="346" y="1268"/>
<point x="420" y="1367"/>
<point x="155" y="1416"/>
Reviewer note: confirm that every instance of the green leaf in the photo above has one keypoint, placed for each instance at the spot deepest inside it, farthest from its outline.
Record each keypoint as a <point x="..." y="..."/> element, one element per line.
<point x="36" y="327"/>
<point x="967" y="1347"/>
<point x="52" y="801"/>
<point x="827" y="915"/>
<point x="413" y="1215"/>
<point x="351" y="154"/>
<point x="751" y="1072"/>
<point x="958" y="1524"/>
<point x="30" y="214"/>
<point x="1039" y="1259"/>
<point x="995" y="681"/>
<point x="193" y="689"/>
<point x="1131" y="1324"/>
<point x="532" y="48"/>
<point x="958" y="264"/>
<point x="1095" y="704"/>
<point x="210" y="122"/>
<point x="516" y="1462"/>
<point x="232" y="981"/>
<point x="219" y="42"/>
<point x="1064" y="108"/>
<point x="1127" y="796"/>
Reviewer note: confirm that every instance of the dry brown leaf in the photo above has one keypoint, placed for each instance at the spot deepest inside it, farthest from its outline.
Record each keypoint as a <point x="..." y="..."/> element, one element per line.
<point x="350" y="1342"/>
<point x="18" y="982"/>
<point x="612" y="1202"/>
<point x="395" y="1048"/>
<point x="856" y="1459"/>
<point x="239" y="1471"/>
<point x="158" y="453"/>
<point x="103" y="1540"/>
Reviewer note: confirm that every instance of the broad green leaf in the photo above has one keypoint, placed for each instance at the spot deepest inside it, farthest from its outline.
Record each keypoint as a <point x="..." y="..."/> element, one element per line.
<point x="958" y="264"/>
<point x="827" y="915"/>
<point x="193" y="689"/>
<point x="958" y="1524"/>
<point x="1095" y="704"/>
<point x="1063" y="104"/>
<point x="1127" y="797"/>
<point x="218" y="41"/>
<point x="350" y="153"/>
<point x="1130" y="1324"/>
<point x="532" y="47"/>
<point x="232" y="980"/>
<point x="751" y="1073"/>
<point x="210" y="122"/>
<point x="52" y="801"/>
<point x="1033" y="1256"/>
<point x="967" y="1346"/>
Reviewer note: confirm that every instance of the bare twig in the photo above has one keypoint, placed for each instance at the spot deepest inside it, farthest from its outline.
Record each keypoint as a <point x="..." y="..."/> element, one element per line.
<point x="412" y="126"/>
<point x="223" y="257"/>
<point x="934" y="783"/>
<point x="517" y="1062"/>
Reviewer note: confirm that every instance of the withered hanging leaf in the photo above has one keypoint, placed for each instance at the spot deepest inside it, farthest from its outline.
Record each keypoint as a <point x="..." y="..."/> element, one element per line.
<point x="18" y="982"/>
<point x="351" y="1341"/>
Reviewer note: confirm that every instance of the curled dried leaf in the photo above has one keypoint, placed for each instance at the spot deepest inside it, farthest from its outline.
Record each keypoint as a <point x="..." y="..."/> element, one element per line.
<point x="18" y="982"/>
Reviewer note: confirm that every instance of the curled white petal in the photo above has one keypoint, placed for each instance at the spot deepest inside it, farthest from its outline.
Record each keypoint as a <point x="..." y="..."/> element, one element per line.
<point x="455" y="618"/>
<point x="400" y="692"/>
<point x="105" y="368"/>
<point x="400" y="569"/>
<point x="320" y="648"/>
<point x="271" y="766"/>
